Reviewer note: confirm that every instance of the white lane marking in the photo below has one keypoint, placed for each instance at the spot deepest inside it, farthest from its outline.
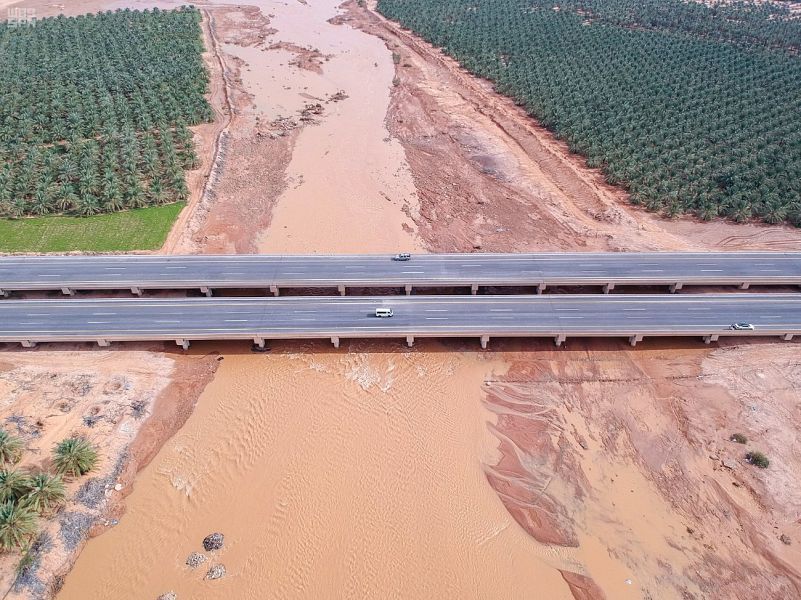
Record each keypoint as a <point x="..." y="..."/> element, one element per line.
<point x="501" y="309"/>
<point x="471" y="265"/>
<point x="566" y="309"/>
<point x="436" y="310"/>
<point x="436" y="318"/>
<point x="98" y="322"/>
<point x="412" y="272"/>
<point x="38" y="315"/>
<point x="236" y="320"/>
<point x="294" y="273"/>
<point x="30" y="323"/>
<point x="114" y="268"/>
<point x="166" y="322"/>
<point x="770" y="270"/>
<point x="711" y="270"/>
<point x="630" y="309"/>
<point x="699" y="309"/>
<point x="175" y="267"/>
<point x="104" y="314"/>
<point x="567" y="317"/>
<point x="235" y="273"/>
<point x="45" y="275"/>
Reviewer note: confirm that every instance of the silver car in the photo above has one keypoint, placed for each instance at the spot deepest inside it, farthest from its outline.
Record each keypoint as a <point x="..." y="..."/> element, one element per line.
<point x="742" y="326"/>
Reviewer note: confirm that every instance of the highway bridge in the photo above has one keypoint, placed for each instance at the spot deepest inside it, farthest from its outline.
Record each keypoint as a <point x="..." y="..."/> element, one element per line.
<point x="539" y="271"/>
<point x="259" y="319"/>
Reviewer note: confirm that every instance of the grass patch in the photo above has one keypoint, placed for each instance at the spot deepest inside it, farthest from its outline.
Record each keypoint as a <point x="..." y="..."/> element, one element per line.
<point x="138" y="229"/>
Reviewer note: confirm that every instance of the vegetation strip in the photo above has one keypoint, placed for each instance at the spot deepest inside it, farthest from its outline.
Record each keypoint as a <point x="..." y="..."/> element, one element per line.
<point x="692" y="108"/>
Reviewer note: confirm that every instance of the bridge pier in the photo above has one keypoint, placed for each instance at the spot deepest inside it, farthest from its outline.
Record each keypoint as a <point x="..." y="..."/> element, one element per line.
<point x="744" y="286"/>
<point x="183" y="343"/>
<point x="207" y="291"/>
<point x="608" y="287"/>
<point x="335" y="341"/>
<point x="787" y="337"/>
<point x="258" y="341"/>
<point x="103" y="343"/>
<point x="708" y="339"/>
<point x="3" y="293"/>
<point x="540" y="288"/>
<point x="676" y="287"/>
<point x="408" y="288"/>
<point x="484" y="341"/>
<point x="341" y="289"/>
<point x="28" y="344"/>
<point x="136" y="291"/>
<point x="560" y="339"/>
<point x="67" y="291"/>
<point x="474" y="289"/>
<point x="634" y="339"/>
<point x="410" y="340"/>
<point x="274" y="290"/>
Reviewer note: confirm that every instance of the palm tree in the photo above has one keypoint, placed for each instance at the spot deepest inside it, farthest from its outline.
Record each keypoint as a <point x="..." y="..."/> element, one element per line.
<point x="13" y="485"/>
<point x="74" y="456"/>
<point x="10" y="448"/>
<point x="46" y="493"/>
<point x="17" y="525"/>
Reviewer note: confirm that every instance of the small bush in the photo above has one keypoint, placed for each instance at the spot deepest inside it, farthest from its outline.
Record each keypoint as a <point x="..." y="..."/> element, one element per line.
<point x="74" y="456"/>
<point x="10" y="448"/>
<point x="13" y="485"/>
<point x="758" y="459"/>
<point x="46" y="493"/>
<point x="739" y="438"/>
<point x="17" y="525"/>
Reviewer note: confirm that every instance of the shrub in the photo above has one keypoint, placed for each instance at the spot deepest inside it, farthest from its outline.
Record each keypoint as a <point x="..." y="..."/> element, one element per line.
<point x="739" y="438"/>
<point x="46" y="493"/>
<point x="758" y="459"/>
<point x="10" y="448"/>
<point x="74" y="456"/>
<point x="17" y="525"/>
<point x="13" y="485"/>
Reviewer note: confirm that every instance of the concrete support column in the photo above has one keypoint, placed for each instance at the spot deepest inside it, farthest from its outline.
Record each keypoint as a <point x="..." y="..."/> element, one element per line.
<point x="540" y="288"/>
<point x="335" y="341"/>
<point x="67" y="291"/>
<point x="787" y="337"/>
<point x="609" y="287"/>
<point x="3" y="293"/>
<point x="410" y="340"/>
<point x="474" y="289"/>
<point x="28" y="344"/>
<point x="103" y="343"/>
<point x="341" y="289"/>
<point x="708" y="339"/>
<point x="183" y="343"/>
<point x="408" y="288"/>
<point x="136" y="291"/>
<point x="676" y="287"/>
<point x="207" y="291"/>
<point x="258" y="341"/>
<point x="484" y="341"/>
<point x="744" y="286"/>
<point x="560" y="339"/>
<point x="634" y="339"/>
<point x="274" y="290"/>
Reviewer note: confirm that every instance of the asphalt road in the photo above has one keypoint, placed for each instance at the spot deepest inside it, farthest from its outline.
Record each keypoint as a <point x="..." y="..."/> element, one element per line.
<point x="264" y="271"/>
<point x="419" y="316"/>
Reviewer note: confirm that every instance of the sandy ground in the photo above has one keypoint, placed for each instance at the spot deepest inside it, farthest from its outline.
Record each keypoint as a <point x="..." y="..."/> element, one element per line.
<point x="587" y="471"/>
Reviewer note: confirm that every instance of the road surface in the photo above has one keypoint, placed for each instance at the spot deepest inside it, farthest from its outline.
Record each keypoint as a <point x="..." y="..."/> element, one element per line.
<point x="257" y="319"/>
<point x="139" y="273"/>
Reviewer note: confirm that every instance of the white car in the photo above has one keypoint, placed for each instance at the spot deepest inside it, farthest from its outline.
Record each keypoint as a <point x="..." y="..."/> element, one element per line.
<point x="402" y="257"/>
<point x="742" y="326"/>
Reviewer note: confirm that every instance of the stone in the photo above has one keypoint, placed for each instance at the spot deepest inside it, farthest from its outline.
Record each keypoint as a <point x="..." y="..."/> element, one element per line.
<point x="195" y="559"/>
<point x="213" y="541"/>
<point x="215" y="572"/>
<point x="168" y="596"/>
<point x="785" y="539"/>
<point x="729" y="463"/>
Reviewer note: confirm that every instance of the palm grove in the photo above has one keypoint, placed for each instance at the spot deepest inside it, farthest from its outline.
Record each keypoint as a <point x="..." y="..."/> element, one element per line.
<point x="693" y="108"/>
<point x="95" y="111"/>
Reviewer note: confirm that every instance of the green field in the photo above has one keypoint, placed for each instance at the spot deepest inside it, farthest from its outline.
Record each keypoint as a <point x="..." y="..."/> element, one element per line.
<point x="138" y="229"/>
<point x="692" y="107"/>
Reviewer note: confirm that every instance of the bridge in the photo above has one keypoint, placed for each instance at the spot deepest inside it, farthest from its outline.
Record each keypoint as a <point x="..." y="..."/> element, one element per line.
<point x="139" y="273"/>
<point x="557" y="316"/>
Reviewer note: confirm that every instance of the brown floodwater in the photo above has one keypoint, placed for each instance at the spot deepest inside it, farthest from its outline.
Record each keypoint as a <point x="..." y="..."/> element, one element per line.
<point x="352" y="474"/>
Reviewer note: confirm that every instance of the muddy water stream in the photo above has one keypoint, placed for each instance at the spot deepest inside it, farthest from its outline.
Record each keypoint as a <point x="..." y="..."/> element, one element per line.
<point x="354" y="473"/>
<point x="341" y="474"/>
